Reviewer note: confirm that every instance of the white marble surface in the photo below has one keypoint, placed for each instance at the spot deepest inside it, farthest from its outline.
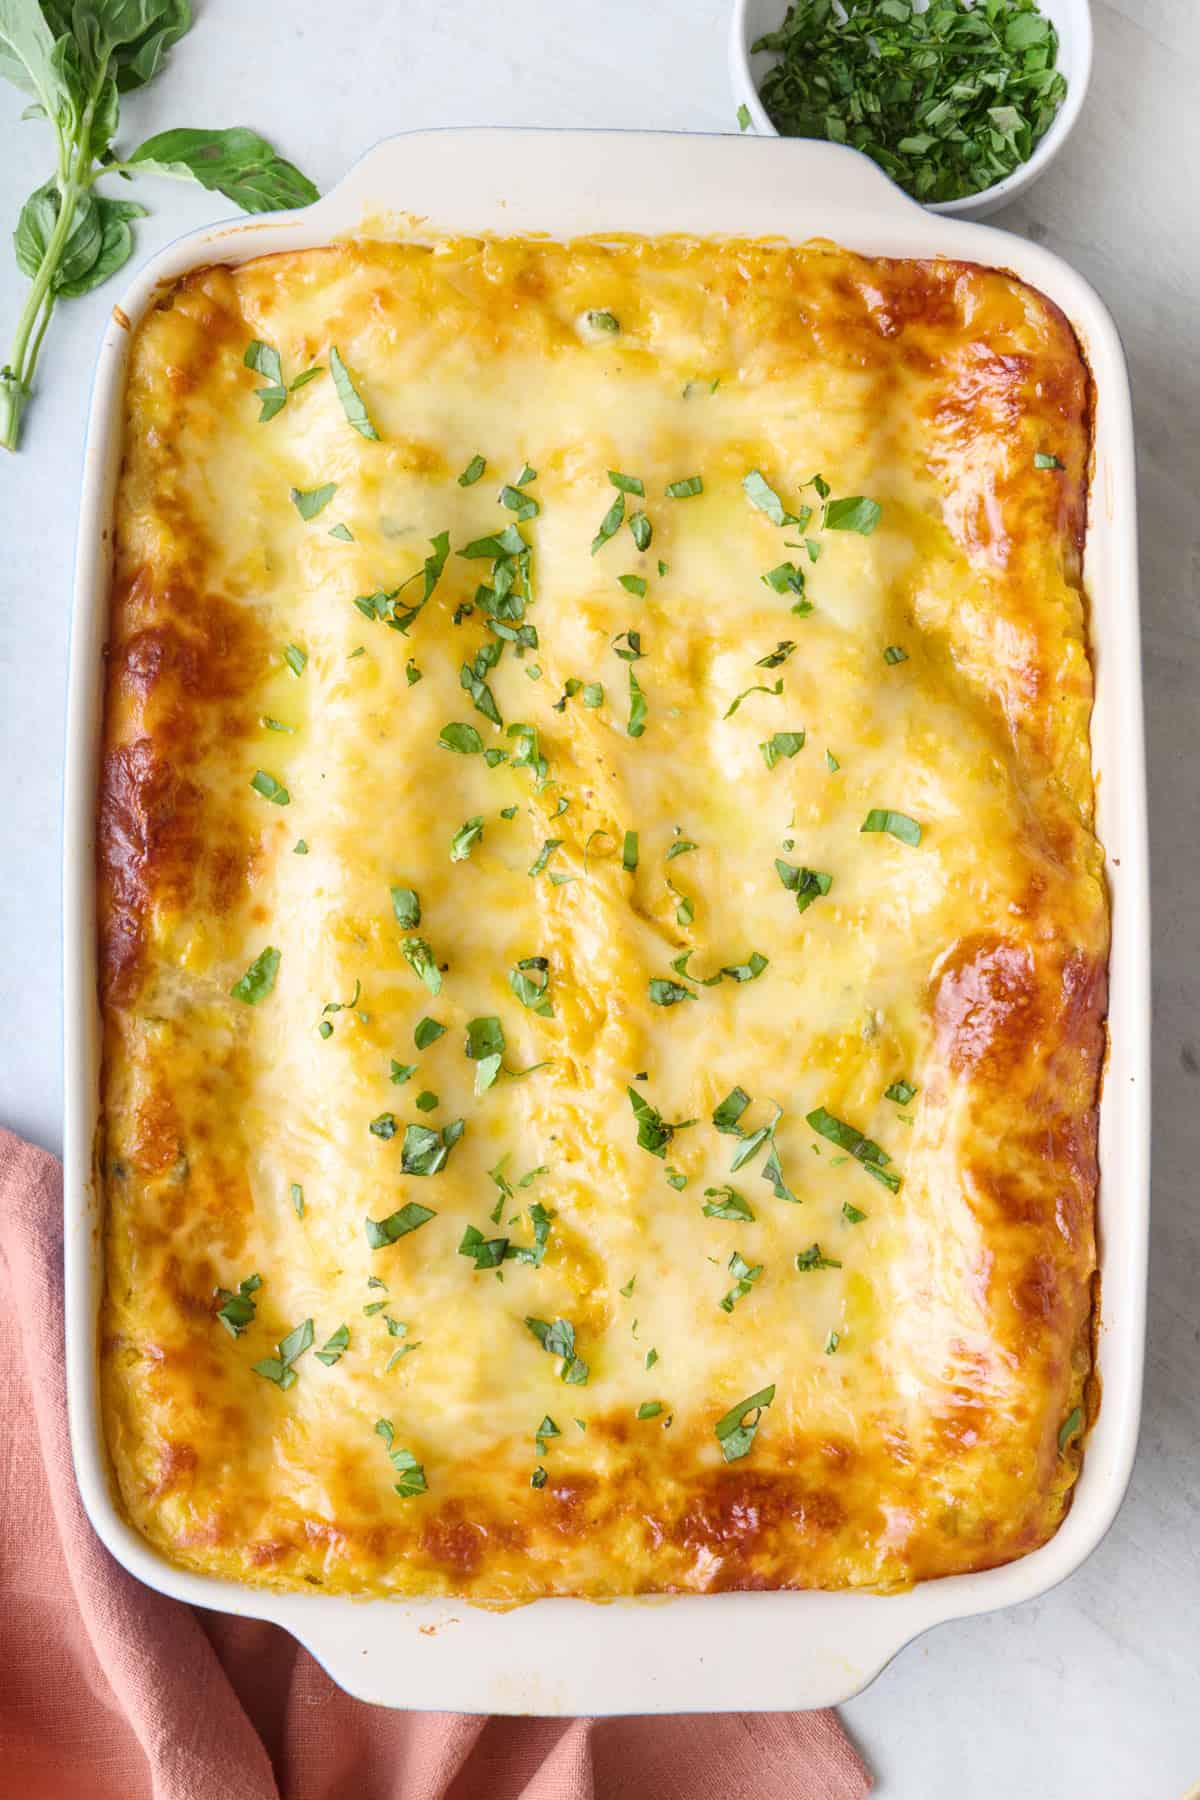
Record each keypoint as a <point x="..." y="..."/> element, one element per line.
<point x="1095" y="1689"/>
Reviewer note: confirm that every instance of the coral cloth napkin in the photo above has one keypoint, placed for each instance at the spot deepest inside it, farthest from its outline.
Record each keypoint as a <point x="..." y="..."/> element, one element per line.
<point x="112" y="1692"/>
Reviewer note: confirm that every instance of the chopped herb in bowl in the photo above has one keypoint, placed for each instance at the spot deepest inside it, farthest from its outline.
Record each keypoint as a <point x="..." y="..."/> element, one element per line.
<point x="948" y="101"/>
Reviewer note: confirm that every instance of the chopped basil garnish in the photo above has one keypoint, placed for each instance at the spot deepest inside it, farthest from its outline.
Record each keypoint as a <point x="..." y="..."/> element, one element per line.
<point x="237" y="1309"/>
<point x="730" y="1110"/>
<point x="278" y="1368"/>
<point x="1071" y="1426"/>
<point x="744" y="1279"/>
<point x="633" y="584"/>
<point x="676" y="1179"/>
<point x="462" y="738"/>
<point x="743" y="117"/>
<point x="629" y="852"/>
<point x="487" y="1253"/>
<point x="271" y="724"/>
<point x="601" y="320"/>
<point x="782" y="743"/>
<point x="295" y="658"/>
<point x="592" y="694"/>
<point x="668" y="993"/>
<point x="426" y="1151"/>
<point x="266" y="784"/>
<point x="1043" y="460"/>
<point x="760" y="493"/>
<point x="466" y="838"/>
<point x="897" y="824"/>
<point x="873" y="1159"/>
<point x="265" y="361"/>
<point x="685" y="489"/>
<point x="643" y="532"/>
<point x="558" y="1339"/>
<point x="349" y="396"/>
<point x="628" y="484"/>
<point x="402" y="1072"/>
<point x="308" y="502"/>
<point x="547" y="850"/>
<point x="530" y="981"/>
<point x="523" y="505"/>
<point x="406" y="905"/>
<point x="813" y="1258"/>
<point x="427" y="1032"/>
<point x="831" y="762"/>
<point x="852" y="1214"/>
<point x="895" y="653"/>
<point x="610" y="524"/>
<point x="637" y="707"/>
<point x="735" y="1431"/>
<point x="472" y="472"/>
<point x="426" y="1101"/>
<point x="412" y="1475"/>
<point x="653" y="1132"/>
<point x="726" y="1203"/>
<point x="381" y="1232"/>
<point x="259" y="979"/>
<point x="649" y="1409"/>
<point x="411" y="673"/>
<point x="297" y="1195"/>
<point x="901" y="1092"/>
<point x="831" y="1343"/>
<point x="786" y="578"/>
<point x="342" y="532"/>
<point x="745" y="694"/>
<point x="856" y="513"/>
<point x="333" y="1348"/>
<point x="420" y="959"/>
<point x="806" y="884"/>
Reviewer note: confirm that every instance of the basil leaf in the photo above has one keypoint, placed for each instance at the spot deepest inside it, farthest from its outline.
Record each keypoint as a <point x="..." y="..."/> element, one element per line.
<point x="472" y="472"/>
<point x="265" y="784"/>
<point x="778" y="655"/>
<point x="558" y="1339"/>
<point x="668" y="993"/>
<point x="237" y="163"/>
<point x="782" y="743"/>
<point x="760" y="493"/>
<point x="406" y="905"/>
<point x="854" y="514"/>
<point x="425" y="1151"/>
<point x="633" y="584"/>
<point x="237" y="1310"/>
<point x="851" y="1214"/>
<point x="743" y="117"/>
<point x="295" y="658"/>
<point x="726" y="1203"/>
<point x="628" y="484"/>
<point x="308" y="502"/>
<point x="333" y="1348"/>
<point x="529" y="981"/>
<point x="637" y="707"/>
<point x="610" y="524"/>
<point x="602" y="321"/>
<point x="629" y="852"/>
<point x="901" y="1092"/>
<point x="752" y="1142"/>
<point x="259" y="979"/>
<point x="470" y="678"/>
<point x="487" y="1253"/>
<point x="813" y="1258"/>
<point x="895" y="653"/>
<point x="642" y="531"/>
<point x="409" y="1217"/>
<point x="465" y="839"/>
<point x="402" y="1072"/>
<point x="750" y="970"/>
<point x="427" y="1032"/>
<point x="1042" y="461"/>
<point x="544" y="854"/>
<point x="348" y="394"/>
<point x="463" y="738"/>
<point x="736" y="1430"/>
<point x="1071" y="1426"/>
<point x="649" y="1409"/>
<point x="412" y="1476"/>
<point x="785" y="578"/>
<point x="685" y="489"/>
<point x="653" y="1132"/>
<point x="523" y="505"/>
<point x="745" y="695"/>
<point x="897" y="824"/>
<point x="592" y="694"/>
<point x="807" y="884"/>
<point x="873" y="1159"/>
<point x="744" y="1279"/>
<point x="726" y="1115"/>
<point x="420" y="959"/>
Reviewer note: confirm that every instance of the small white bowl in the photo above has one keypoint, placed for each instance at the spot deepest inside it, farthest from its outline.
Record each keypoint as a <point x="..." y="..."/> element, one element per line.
<point x="1072" y="19"/>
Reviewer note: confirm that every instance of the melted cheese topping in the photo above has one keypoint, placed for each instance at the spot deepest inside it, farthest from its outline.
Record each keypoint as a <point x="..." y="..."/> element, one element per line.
<point x="934" y="1340"/>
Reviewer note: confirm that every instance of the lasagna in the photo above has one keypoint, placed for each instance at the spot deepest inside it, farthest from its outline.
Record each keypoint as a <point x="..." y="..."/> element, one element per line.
<point x="603" y="941"/>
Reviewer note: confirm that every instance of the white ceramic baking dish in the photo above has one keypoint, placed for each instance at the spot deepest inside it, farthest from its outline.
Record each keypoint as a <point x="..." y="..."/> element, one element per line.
<point x="692" y="1654"/>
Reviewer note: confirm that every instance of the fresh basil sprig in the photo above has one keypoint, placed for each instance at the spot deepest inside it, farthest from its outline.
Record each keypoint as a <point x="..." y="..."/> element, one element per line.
<point x="75" y="60"/>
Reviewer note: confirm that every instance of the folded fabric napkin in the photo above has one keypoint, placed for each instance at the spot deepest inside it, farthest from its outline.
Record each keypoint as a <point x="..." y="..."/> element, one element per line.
<point x="113" y="1692"/>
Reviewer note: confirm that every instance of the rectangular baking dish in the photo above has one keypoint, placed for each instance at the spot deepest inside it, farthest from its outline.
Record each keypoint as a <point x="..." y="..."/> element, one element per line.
<point x="726" y="1652"/>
